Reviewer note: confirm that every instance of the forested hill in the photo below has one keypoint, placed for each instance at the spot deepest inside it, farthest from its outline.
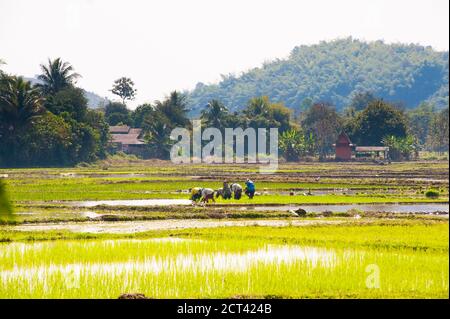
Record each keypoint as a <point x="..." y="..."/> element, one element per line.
<point x="333" y="72"/>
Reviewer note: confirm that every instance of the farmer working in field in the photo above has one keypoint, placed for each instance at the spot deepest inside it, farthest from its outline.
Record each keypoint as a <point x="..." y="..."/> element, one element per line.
<point x="207" y="195"/>
<point x="226" y="191"/>
<point x="196" y="194"/>
<point x="250" y="188"/>
<point x="237" y="190"/>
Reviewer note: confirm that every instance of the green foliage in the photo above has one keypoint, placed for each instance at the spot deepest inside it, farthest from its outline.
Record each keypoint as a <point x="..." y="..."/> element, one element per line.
<point x="140" y="113"/>
<point x="419" y="122"/>
<point x="64" y="134"/>
<point x="378" y="120"/>
<point x="20" y="103"/>
<point x="56" y="75"/>
<point x="432" y="193"/>
<point x="48" y="141"/>
<point x="174" y="109"/>
<point x="70" y="100"/>
<point x="438" y="132"/>
<point x="215" y="114"/>
<point x="335" y="72"/>
<point x="124" y="88"/>
<point x="160" y="121"/>
<point x="400" y="148"/>
<point x="96" y="120"/>
<point x="117" y="113"/>
<point x="158" y="136"/>
<point x="324" y="124"/>
<point x="295" y="144"/>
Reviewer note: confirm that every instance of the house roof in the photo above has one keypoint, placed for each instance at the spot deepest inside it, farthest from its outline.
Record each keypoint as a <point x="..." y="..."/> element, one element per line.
<point x="119" y="129"/>
<point x="371" y="148"/>
<point x="343" y="139"/>
<point x="129" y="137"/>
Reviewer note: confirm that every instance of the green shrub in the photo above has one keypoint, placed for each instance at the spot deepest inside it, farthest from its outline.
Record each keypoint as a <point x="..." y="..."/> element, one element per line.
<point x="432" y="193"/>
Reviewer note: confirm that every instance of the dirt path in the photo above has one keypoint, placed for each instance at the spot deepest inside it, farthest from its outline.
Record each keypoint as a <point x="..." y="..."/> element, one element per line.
<point x="142" y="226"/>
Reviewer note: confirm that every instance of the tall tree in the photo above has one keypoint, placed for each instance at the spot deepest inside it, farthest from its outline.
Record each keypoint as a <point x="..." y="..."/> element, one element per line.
<point x="140" y="113"/>
<point x="124" y="88"/>
<point x="438" y="136"/>
<point x="379" y="119"/>
<point x="56" y="75"/>
<point x="174" y="108"/>
<point x="19" y="104"/>
<point x="419" y="122"/>
<point x="71" y="100"/>
<point x="361" y="100"/>
<point x="260" y="112"/>
<point x="215" y="115"/>
<point x="157" y="135"/>
<point x="324" y="123"/>
<point x="117" y="113"/>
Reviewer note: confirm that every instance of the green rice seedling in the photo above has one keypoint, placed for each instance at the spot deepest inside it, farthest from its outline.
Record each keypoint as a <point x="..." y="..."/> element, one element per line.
<point x="6" y="209"/>
<point x="388" y="259"/>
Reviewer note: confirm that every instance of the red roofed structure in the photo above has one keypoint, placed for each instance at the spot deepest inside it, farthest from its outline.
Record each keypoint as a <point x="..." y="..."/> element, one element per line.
<point x="343" y="147"/>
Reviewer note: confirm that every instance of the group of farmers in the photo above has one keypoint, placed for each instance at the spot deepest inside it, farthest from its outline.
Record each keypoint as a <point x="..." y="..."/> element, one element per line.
<point x="228" y="191"/>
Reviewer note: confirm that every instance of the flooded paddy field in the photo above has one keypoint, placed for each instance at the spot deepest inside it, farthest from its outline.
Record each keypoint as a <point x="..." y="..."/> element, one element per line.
<point x="243" y="262"/>
<point x="132" y="225"/>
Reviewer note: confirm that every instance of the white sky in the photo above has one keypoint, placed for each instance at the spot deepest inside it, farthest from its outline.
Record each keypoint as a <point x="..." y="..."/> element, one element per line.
<point x="165" y="45"/>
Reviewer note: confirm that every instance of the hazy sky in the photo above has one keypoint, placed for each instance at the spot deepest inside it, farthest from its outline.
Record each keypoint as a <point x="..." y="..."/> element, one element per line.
<point x="165" y="45"/>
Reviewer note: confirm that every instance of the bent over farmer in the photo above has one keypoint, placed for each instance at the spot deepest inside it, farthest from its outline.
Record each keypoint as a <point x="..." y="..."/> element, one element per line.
<point x="196" y="194"/>
<point x="237" y="190"/>
<point x="250" y="188"/>
<point x="207" y="195"/>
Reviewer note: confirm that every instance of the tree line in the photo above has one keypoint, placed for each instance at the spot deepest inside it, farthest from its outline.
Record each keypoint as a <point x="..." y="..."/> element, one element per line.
<point x="368" y="120"/>
<point x="49" y="124"/>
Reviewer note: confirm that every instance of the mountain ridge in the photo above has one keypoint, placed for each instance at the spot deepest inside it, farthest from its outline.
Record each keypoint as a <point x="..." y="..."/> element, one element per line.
<point x="333" y="71"/>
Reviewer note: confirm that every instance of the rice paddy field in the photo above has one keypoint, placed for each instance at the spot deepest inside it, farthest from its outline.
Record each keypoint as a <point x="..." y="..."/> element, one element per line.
<point x="121" y="226"/>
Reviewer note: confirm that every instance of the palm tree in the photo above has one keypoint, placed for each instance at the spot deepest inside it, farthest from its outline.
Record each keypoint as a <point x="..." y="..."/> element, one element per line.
<point x="215" y="114"/>
<point x="174" y="109"/>
<point x="158" y="135"/>
<point x="20" y="103"/>
<point x="57" y="75"/>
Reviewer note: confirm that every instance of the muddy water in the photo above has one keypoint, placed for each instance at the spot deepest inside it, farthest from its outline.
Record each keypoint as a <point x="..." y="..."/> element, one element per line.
<point x="142" y="226"/>
<point x="135" y="202"/>
<point x="386" y="208"/>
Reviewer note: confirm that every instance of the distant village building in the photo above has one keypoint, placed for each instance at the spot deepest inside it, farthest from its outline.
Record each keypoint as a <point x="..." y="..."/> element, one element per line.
<point x="344" y="148"/>
<point x="346" y="151"/>
<point x="372" y="151"/>
<point x="128" y="140"/>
